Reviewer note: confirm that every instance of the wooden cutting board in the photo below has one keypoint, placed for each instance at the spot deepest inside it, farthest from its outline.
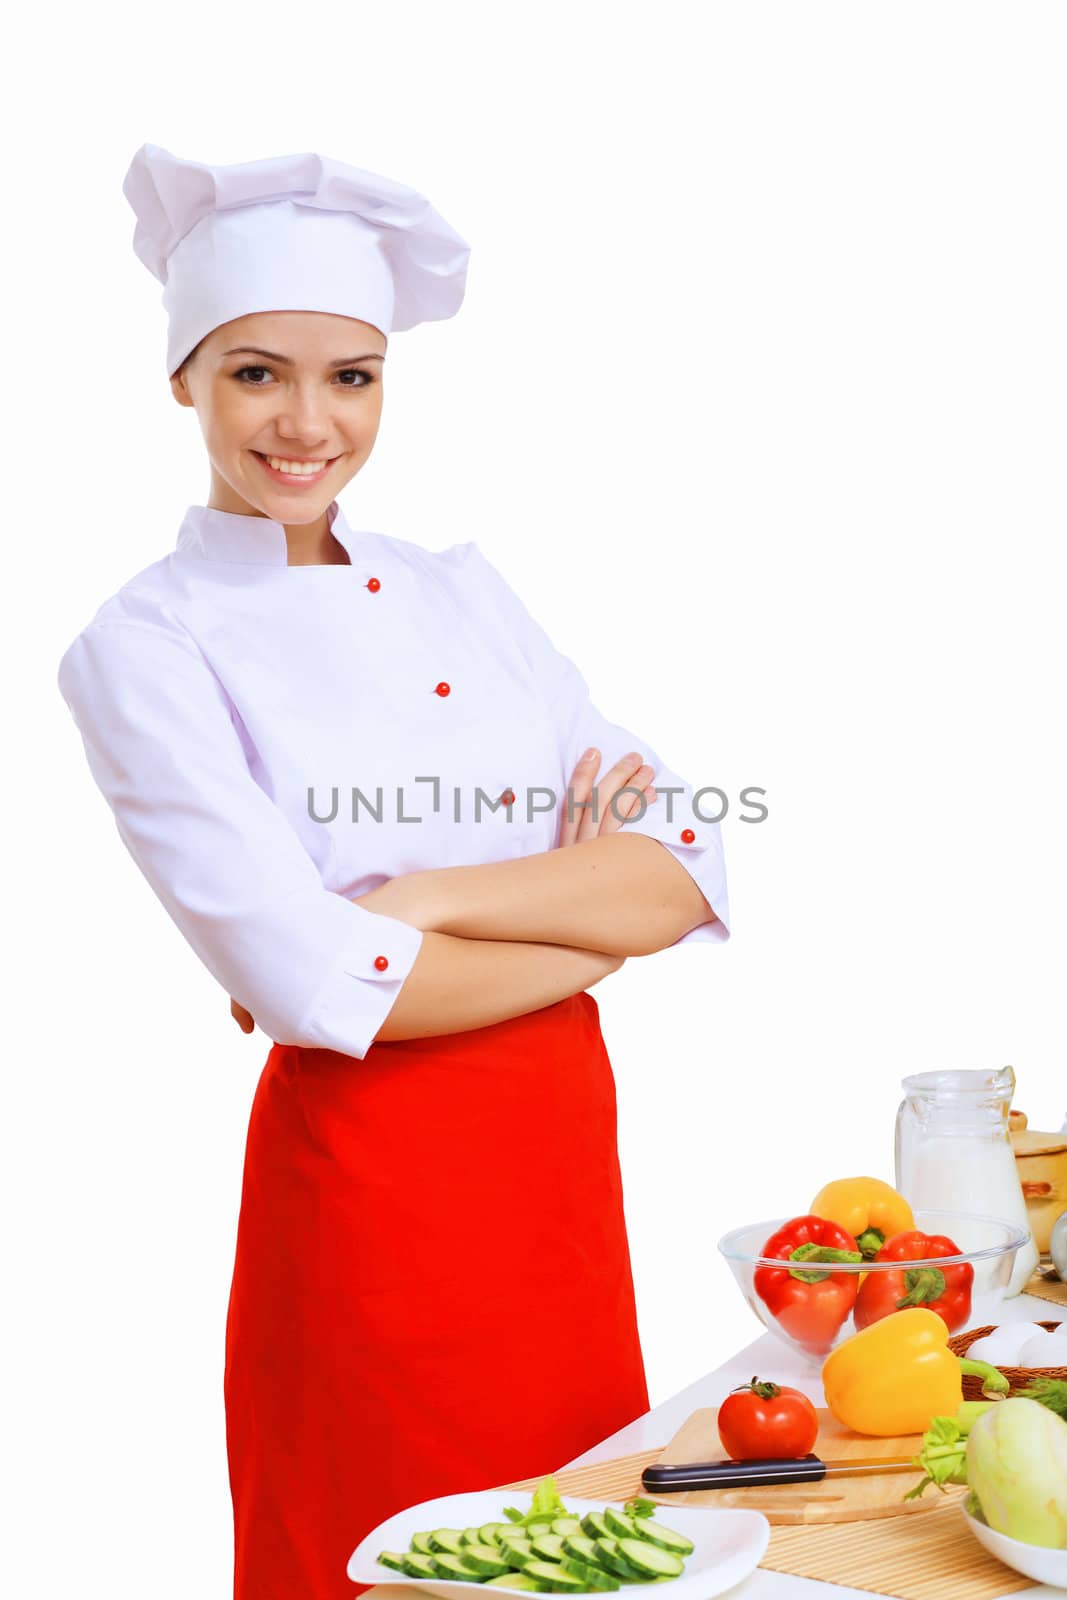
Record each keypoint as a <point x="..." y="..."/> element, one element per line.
<point x="832" y="1500"/>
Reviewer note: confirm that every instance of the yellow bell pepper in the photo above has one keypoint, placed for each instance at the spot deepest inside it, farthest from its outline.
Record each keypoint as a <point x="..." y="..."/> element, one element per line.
<point x="870" y="1210"/>
<point x="897" y="1375"/>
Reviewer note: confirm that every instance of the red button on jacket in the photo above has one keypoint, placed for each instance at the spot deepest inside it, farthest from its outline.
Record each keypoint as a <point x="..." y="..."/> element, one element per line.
<point x="373" y="584"/>
<point x="443" y="688"/>
<point x="381" y="962"/>
<point x="688" y="835"/>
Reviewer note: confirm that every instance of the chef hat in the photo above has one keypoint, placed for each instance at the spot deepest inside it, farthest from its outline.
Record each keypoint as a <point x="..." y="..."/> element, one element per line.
<point x="290" y="233"/>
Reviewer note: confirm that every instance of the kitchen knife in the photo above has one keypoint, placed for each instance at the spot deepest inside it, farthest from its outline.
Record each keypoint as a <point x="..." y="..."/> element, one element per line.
<point x="751" y="1474"/>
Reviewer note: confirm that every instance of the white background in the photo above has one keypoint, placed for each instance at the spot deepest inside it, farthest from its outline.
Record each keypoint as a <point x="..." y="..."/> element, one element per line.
<point x="757" y="398"/>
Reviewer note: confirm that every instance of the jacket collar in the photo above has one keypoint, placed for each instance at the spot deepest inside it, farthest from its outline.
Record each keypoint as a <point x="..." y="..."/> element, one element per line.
<point x="249" y="541"/>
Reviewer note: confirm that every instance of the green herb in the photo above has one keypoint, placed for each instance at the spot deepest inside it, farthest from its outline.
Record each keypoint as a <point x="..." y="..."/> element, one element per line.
<point x="943" y="1456"/>
<point x="544" y="1507"/>
<point x="640" y="1507"/>
<point x="1050" y="1392"/>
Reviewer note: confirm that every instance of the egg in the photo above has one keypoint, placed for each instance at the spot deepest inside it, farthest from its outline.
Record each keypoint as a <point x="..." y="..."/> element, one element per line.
<point x="1035" y="1352"/>
<point x="1031" y="1330"/>
<point x="994" y="1349"/>
<point x="1044" y="1350"/>
<point x="1001" y="1347"/>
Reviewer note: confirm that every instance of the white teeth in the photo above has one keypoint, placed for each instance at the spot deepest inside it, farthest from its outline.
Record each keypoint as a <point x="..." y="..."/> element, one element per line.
<point x="303" y="469"/>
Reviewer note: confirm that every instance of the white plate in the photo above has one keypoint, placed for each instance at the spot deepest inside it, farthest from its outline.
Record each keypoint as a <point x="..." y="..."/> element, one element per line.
<point x="729" y="1545"/>
<point x="1032" y="1560"/>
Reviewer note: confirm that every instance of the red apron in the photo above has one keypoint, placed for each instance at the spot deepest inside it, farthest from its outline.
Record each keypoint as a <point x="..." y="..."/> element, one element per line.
<point x="432" y="1288"/>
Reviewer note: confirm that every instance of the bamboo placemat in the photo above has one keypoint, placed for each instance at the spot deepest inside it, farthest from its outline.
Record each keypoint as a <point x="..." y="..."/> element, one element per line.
<point x="933" y="1557"/>
<point x="619" y="1479"/>
<point x="1053" y="1289"/>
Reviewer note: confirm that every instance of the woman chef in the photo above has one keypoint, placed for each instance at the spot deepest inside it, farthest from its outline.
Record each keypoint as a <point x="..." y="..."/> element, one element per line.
<point x="342" y="762"/>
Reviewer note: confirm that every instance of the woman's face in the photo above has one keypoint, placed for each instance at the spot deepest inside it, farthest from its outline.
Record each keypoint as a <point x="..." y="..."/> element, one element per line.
<point x="284" y="387"/>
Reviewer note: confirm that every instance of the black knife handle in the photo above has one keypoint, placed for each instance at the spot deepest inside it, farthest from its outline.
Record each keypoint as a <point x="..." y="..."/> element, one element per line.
<point x="732" y="1474"/>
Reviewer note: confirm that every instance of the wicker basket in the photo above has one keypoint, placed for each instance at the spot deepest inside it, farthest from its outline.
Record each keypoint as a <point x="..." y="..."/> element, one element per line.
<point x="1018" y="1377"/>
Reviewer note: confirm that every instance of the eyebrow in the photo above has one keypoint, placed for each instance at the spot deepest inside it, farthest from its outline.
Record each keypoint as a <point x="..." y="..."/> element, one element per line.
<point x="272" y="355"/>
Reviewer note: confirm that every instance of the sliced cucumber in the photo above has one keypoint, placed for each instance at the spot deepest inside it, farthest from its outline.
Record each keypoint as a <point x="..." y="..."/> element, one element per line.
<point x="552" y="1575"/>
<point x="650" y="1558"/>
<point x="610" y="1558"/>
<point x="447" y="1540"/>
<point x="417" y="1565"/>
<point x="485" y="1558"/>
<point x="592" y="1577"/>
<point x="567" y="1554"/>
<point x="394" y="1560"/>
<point x="492" y="1531"/>
<point x="549" y="1547"/>
<point x="582" y="1548"/>
<point x="666" y="1538"/>
<point x="456" y="1567"/>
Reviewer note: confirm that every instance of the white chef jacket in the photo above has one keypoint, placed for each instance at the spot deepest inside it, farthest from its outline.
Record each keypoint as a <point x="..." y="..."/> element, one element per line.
<point x="223" y="696"/>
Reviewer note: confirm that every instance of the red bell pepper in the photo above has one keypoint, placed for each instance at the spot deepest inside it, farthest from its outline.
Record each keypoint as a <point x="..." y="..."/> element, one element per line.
<point x="946" y="1290"/>
<point x="810" y="1305"/>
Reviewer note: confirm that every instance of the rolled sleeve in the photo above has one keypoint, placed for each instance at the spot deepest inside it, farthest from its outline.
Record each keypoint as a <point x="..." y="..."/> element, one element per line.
<point x="313" y="968"/>
<point x="582" y="725"/>
<point x="703" y="859"/>
<point x="357" y="996"/>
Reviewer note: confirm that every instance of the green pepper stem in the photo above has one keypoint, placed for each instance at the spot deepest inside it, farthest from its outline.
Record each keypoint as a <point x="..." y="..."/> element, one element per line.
<point x="870" y="1241"/>
<point x="923" y="1285"/>
<point x="969" y="1412"/>
<point x="820" y="1252"/>
<point x="994" y="1383"/>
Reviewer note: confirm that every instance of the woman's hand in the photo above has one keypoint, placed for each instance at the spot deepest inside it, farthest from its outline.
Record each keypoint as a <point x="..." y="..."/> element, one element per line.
<point x="244" y="1019"/>
<point x="628" y="772"/>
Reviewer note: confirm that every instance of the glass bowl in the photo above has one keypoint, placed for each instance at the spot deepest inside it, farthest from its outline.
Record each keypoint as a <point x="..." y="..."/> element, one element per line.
<point x="811" y="1314"/>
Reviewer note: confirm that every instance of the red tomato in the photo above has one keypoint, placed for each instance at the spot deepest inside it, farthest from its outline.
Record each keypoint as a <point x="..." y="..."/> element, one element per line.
<point x="767" y="1421"/>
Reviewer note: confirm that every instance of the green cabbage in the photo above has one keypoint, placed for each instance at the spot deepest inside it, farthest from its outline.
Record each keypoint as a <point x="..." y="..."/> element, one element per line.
<point x="1017" y="1468"/>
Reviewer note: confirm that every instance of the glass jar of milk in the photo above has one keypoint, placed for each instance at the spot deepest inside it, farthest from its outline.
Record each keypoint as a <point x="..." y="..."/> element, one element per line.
<point x="954" y="1153"/>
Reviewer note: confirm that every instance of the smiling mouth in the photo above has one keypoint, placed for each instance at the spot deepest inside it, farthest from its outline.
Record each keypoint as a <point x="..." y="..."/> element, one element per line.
<point x="303" y="471"/>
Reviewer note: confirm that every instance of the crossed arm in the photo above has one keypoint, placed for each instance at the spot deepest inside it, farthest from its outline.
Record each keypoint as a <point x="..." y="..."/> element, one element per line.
<point x="623" y="894"/>
<point x="508" y="937"/>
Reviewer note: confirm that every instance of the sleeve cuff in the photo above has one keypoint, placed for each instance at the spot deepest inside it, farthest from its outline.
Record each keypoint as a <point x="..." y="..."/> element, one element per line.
<point x="702" y="857"/>
<point x="359" y="994"/>
<point x="712" y="883"/>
